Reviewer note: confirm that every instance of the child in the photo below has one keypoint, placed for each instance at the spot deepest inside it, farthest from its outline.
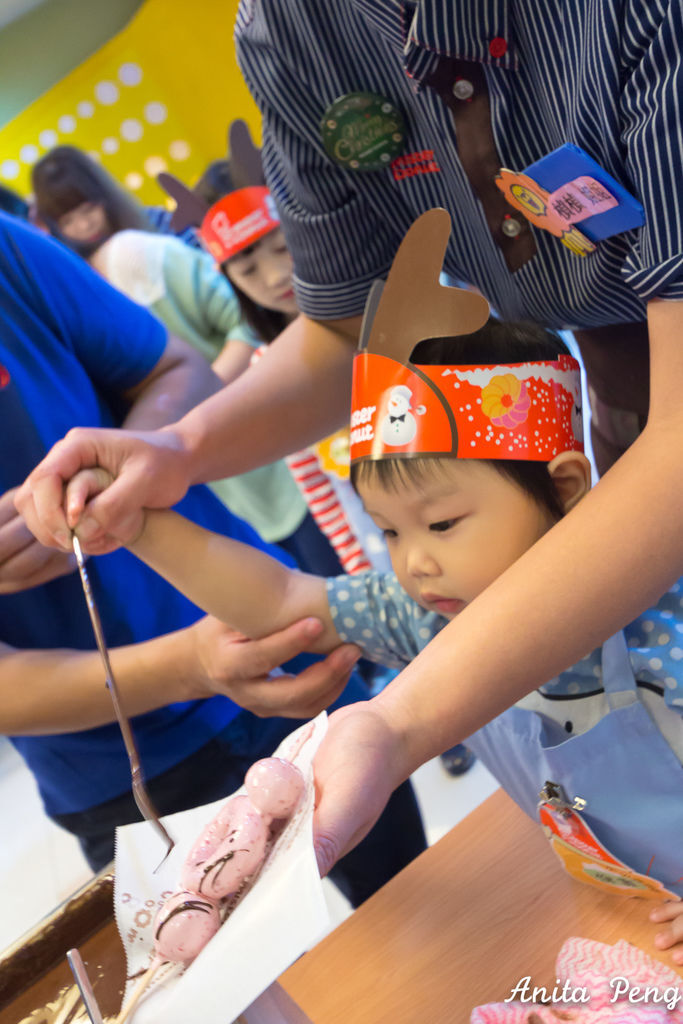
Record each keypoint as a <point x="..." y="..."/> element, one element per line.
<point x="464" y="458"/>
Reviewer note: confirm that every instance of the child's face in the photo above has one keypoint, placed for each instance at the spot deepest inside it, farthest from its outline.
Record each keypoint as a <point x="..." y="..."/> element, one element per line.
<point x="264" y="273"/>
<point x="456" y="533"/>
<point x="87" y="222"/>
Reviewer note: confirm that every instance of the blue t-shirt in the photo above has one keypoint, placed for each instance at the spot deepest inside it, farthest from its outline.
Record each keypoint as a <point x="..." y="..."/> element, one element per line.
<point x="70" y="344"/>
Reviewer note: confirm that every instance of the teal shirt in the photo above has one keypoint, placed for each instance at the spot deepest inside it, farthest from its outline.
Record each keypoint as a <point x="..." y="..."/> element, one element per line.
<point x="183" y="288"/>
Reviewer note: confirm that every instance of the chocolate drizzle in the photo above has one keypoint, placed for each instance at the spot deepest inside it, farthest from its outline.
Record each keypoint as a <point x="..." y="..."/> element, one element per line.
<point x="220" y="864"/>
<point x="200" y="905"/>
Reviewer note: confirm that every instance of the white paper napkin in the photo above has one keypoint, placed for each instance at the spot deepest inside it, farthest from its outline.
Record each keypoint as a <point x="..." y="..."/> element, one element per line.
<point x="281" y="916"/>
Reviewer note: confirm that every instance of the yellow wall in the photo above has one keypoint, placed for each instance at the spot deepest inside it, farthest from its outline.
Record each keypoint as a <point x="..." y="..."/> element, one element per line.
<point x="158" y="96"/>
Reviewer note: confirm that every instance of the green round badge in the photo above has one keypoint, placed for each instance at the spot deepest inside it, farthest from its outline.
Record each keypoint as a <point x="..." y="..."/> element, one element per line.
<point x="362" y="131"/>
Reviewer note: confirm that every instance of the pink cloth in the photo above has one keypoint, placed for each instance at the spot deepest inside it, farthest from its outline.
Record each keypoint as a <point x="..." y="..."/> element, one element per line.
<point x="596" y="984"/>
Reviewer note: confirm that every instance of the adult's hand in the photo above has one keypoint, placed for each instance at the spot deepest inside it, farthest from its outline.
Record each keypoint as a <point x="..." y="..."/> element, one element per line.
<point x="24" y="562"/>
<point x="239" y="668"/>
<point x="150" y="470"/>
<point x="199" y="661"/>
<point x="356" y="769"/>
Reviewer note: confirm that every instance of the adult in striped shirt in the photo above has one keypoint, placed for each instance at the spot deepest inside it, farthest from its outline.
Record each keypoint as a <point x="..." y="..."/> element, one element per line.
<point x="481" y="84"/>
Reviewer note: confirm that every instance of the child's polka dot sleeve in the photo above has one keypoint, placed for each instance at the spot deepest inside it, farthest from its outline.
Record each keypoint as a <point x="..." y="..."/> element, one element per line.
<point x="373" y="611"/>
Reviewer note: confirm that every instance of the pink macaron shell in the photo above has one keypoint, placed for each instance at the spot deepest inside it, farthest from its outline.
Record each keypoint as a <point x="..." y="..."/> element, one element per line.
<point x="237" y="809"/>
<point x="184" y="925"/>
<point x="240" y="853"/>
<point x="192" y="871"/>
<point x="274" y="786"/>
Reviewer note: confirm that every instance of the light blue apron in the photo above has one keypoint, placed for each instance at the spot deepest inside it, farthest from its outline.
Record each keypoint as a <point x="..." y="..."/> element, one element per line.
<point x="623" y="768"/>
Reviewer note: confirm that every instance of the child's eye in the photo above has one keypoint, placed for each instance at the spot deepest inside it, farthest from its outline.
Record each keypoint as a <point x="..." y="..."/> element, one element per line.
<point x="442" y="525"/>
<point x="389" y="534"/>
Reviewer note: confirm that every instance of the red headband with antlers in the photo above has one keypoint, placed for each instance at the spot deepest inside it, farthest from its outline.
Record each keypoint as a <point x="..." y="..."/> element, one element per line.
<point x="237" y="221"/>
<point x="239" y="218"/>
<point x="528" y="411"/>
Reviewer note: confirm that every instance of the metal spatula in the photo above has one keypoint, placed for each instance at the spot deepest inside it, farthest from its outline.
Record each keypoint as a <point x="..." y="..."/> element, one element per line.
<point x="140" y="794"/>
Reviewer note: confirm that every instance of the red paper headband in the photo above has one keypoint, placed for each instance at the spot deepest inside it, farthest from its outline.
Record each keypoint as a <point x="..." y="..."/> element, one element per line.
<point x="528" y="411"/>
<point x="237" y="221"/>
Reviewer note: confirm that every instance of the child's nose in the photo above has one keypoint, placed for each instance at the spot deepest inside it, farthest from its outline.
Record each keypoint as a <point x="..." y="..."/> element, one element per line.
<point x="421" y="563"/>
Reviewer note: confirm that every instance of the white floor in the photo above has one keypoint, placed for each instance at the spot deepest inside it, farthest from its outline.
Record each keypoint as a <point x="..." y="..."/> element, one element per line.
<point x="40" y="864"/>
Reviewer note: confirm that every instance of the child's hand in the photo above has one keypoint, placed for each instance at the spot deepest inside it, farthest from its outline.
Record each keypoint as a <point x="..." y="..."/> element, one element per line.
<point x="87" y="484"/>
<point x="672" y="913"/>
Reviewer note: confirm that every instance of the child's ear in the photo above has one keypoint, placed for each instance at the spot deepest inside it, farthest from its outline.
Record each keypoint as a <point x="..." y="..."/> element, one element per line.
<point x="571" y="473"/>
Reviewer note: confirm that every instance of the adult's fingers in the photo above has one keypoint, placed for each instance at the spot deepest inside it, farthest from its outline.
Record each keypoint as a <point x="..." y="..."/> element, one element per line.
<point x="27" y="560"/>
<point x="7" y="508"/>
<point x="24" y="561"/>
<point x="354" y="780"/>
<point x="262" y="656"/>
<point x="39" y="501"/>
<point x="300" y="636"/>
<point x="150" y="470"/>
<point x="23" y="571"/>
<point x="15" y="536"/>
<point x="310" y="692"/>
<point x="289" y="696"/>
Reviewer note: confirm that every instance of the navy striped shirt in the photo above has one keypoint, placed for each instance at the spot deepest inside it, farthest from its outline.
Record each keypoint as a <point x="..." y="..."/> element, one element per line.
<point x="603" y="74"/>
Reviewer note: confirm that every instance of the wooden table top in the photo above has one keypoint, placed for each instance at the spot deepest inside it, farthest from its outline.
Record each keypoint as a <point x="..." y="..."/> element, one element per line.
<point x="480" y="910"/>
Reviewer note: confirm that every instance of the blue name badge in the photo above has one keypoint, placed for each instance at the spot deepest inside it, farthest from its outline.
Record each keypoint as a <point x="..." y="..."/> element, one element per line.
<point x="568" y="162"/>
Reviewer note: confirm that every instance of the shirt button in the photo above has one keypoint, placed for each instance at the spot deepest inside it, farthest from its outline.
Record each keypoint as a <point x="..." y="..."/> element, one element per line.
<point x="511" y="227"/>
<point x="463" y="89"/>
<point x="498" y="47"/>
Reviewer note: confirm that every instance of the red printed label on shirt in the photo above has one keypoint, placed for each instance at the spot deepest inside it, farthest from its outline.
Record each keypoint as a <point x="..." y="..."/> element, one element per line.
<point x="410" y="164"/>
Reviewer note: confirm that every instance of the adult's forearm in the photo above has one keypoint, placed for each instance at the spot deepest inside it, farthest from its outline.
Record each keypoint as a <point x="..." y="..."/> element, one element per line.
<point x="610" y="559"/>
<point x="297" y="393"/>
<point x="55" y="691"/>
<point x="181" y="380"/>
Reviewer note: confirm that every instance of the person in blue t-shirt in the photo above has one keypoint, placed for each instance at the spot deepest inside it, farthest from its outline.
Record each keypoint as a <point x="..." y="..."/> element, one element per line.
<point x="75" y="351"/>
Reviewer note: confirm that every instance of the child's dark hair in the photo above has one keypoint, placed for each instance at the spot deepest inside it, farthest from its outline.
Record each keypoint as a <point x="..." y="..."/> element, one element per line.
<point x="215" y="182"/>
<point x="496" y="342"/>
<point x="66" y="177"/>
